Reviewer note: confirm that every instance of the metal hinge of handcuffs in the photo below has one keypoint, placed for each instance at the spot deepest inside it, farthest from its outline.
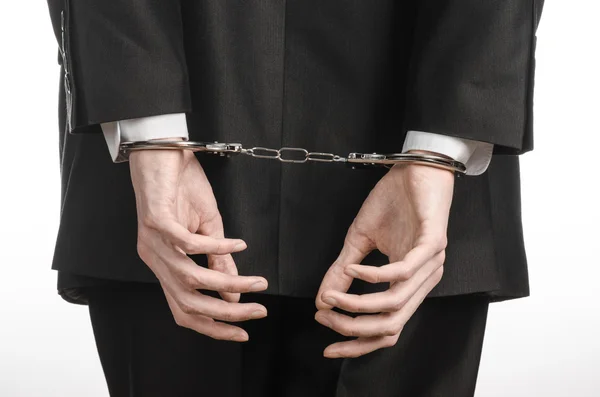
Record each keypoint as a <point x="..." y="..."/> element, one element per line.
<point x="302" y="155"/>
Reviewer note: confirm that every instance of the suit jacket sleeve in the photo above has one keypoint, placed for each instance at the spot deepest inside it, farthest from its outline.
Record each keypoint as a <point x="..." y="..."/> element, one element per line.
<point x="124" y="59"/>
<point x="472" y="71"/>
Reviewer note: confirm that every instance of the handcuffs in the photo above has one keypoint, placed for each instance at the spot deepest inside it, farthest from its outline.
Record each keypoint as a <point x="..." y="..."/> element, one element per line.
<point x="295" y="155"/>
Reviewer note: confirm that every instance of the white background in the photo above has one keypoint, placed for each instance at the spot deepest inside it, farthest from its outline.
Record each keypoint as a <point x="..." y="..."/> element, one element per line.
<point x="547" y="345"/>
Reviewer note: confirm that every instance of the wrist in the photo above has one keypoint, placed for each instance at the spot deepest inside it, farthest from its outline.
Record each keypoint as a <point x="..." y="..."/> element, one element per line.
<point x="164" y="154"/>
<point x="429" y="152"/>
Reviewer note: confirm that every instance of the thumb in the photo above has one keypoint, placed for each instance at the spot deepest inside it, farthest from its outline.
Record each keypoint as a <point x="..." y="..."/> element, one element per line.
<point x="355" y="249"/>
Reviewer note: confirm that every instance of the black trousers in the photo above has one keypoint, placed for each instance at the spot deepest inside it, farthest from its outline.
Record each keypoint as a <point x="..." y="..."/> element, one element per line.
<point x="145" y="354"/>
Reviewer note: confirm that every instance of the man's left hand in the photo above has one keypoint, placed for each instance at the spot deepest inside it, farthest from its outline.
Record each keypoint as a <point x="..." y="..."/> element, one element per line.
<point x="405" y="217"/>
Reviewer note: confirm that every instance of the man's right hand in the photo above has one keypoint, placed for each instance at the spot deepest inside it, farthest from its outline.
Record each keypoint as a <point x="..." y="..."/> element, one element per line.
<point x="178" y="215"/>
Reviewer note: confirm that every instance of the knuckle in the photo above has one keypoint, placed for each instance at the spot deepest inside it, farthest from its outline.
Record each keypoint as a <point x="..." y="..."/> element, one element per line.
<point x="405" y="272"/>
<point x="398" y="303"/>
<point x="217" y="220"/>
<point x="188" y="246"/>
<point x="222" y="283"/>
<point x="354" y="307"/>
<point x="227" y="315"/>
<point x="218" y="262"/>
<point x="389" y="332"/>
<point x="349" y="330"/>
<point x="211" y="222"/>
<point x="338" y="269"/>
<point x="442" y="256"/>
<point x="377" y="277"/>
<point x="228" y="286"/>
<point x="190" y="280"/>
<point x="187" y="307"/>
<point x="441" y="242"/>
<point x="439" y="273"/>
<point x="357" y="239"/>
<point x="180" y="321"/>
<point x="394" y="329"/>
<point x="149" y="221"/>
<point x="220" y="247"/>
<point x="390" y="341"/>
<point x="142" y="250"/>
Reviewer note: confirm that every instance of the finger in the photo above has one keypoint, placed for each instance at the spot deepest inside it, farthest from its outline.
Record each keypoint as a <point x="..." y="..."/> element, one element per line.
<point x="362" y="346"/>
<point x="359" y="347"/>
<point x="415" y="301"/>
<point x="377" y="302"/>
<point x="202" y="278"/>
<point x="195" y="303"/>
<point x="193" y="277"/>
<point x="192" y="243"/>
<point x="386" y="324"/>
<point x="213" y="227"/>
<point x="225" y="264"/>
<point x="215" y="329"/>
<point x="354" y="251"/>
<point x="391" y="300"/>
<point x="205" y="325"/>
<point x="334" y="280"/>
<point x="397" y="271"/>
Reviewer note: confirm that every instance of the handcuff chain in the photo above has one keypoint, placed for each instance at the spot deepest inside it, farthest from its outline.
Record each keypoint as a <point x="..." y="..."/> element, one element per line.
<point x="280" y="154"/>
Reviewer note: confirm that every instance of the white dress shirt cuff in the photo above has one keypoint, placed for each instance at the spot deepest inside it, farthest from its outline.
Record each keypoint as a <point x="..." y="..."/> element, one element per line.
<point x="144" y="129"/>
<point x="475" y="155"/>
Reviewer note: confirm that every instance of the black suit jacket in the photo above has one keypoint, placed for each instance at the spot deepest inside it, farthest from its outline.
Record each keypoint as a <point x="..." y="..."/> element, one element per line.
<point x="333" y="76"/>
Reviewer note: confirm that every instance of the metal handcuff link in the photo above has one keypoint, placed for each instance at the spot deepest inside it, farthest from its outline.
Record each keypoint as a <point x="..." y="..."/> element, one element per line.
<point x="296" y="155"/>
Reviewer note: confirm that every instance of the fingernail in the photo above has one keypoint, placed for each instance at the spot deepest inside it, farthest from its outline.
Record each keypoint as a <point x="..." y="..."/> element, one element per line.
<point x="258" y="314"/>
<point x="330" y="301"/>
<point x="240" y="246"/>
<point x="241" y="337"/>
<point x="258" y="286"/>
<point x="351" y="273"/>
<point x="322" y="319"/>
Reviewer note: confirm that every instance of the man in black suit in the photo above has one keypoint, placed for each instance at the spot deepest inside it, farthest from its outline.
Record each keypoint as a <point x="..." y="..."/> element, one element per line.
<point x="402" y="263"/>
